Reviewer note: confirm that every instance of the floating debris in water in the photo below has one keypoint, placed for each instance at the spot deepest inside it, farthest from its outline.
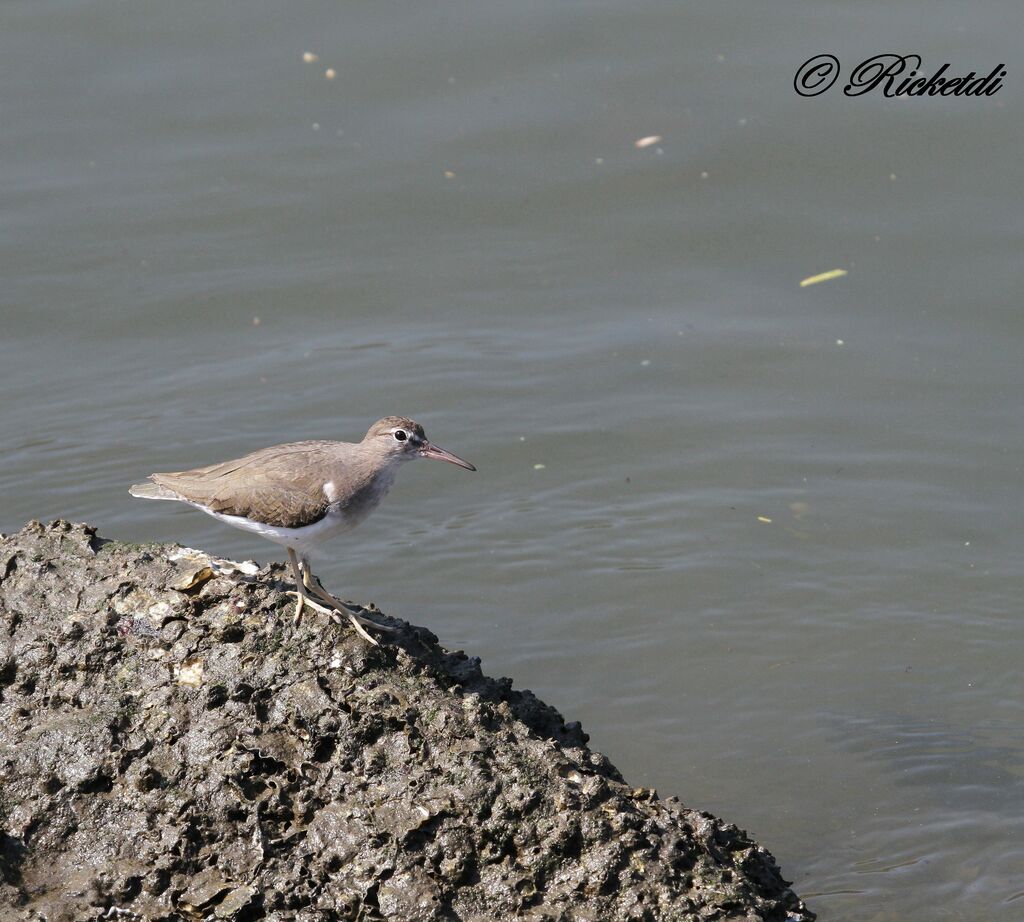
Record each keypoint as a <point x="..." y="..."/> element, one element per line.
<point x="309" y="57"/>
<point x="650" y="140"/>
<point x="822" y="277"/>
<point x="765" y="519"/>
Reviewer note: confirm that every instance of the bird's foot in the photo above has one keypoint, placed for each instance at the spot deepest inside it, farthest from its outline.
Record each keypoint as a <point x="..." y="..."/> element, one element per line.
<point x="314" y="585"/>
<point x="338" y="613"/>
<point x="303" y="601"/>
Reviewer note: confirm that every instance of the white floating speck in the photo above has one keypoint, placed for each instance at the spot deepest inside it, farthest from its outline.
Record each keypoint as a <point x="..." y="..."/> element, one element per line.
<point x="330" y="73"/>
<point x="539" y="467"/>
<point x="649" y="141"/>
<point x="309" y="57"/>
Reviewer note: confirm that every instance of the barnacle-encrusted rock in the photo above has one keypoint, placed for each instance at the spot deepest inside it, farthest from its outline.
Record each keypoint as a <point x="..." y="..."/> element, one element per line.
<point x="171" y="747"/>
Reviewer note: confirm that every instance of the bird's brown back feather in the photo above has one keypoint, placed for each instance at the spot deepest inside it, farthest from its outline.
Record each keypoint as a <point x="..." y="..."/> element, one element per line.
<point x="281" y="485"/>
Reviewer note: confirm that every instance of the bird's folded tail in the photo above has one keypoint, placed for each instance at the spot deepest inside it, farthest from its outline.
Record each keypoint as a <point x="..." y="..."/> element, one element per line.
<point x="151" y="490"/>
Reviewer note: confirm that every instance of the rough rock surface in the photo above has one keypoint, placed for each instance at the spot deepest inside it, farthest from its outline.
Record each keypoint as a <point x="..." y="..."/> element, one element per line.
<point x="171" y="747"/>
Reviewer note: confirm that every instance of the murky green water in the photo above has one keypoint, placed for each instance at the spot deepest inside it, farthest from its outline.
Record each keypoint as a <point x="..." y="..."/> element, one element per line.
<point x="458" y="227"/>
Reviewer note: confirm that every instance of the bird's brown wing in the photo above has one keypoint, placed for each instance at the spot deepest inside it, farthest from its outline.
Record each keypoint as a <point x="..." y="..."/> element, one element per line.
<point x="281" y="485"/>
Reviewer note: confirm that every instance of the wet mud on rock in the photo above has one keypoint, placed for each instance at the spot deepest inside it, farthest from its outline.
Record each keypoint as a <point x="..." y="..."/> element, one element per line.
<point x="172" y="747"/>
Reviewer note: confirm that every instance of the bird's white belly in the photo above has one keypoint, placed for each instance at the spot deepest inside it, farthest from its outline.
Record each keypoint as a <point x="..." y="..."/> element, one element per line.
<point x="305" y="540"/>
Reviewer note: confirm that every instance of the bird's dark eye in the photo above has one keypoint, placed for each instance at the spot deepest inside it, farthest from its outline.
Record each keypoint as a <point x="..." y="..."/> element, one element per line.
<point x="401" y="435"/>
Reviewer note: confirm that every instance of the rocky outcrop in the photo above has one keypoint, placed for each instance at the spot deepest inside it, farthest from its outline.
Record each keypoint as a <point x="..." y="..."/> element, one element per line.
<point x="172" y="747"/>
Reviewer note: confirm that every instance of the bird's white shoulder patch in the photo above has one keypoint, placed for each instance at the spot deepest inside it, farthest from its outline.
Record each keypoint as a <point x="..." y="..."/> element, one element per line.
<point x="331" y="491"/>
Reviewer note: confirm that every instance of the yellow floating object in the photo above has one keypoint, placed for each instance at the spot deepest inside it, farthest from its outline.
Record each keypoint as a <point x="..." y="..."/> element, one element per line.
<point x="822" y="277"/>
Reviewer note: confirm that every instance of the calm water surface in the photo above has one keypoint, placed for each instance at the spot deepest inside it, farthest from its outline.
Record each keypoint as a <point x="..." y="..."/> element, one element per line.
<point x="764" y="541"/>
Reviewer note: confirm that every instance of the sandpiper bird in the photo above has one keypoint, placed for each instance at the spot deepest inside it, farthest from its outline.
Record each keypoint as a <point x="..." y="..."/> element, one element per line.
<point x="302" y="493"/>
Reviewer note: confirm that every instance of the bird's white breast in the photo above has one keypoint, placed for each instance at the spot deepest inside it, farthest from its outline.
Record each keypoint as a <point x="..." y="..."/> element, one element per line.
<point x="342" y="515"/>
<point x="305" y="540"/>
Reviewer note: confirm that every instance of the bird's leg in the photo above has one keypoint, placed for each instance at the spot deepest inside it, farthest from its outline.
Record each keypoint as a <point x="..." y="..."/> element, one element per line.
<point x="302" y="597"/>
<point x="314" y="585"/>
<point x="312" y="582"/>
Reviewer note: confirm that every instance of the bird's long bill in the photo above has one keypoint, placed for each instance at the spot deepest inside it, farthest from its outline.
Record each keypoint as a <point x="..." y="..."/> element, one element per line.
<point x="432" y="451"/>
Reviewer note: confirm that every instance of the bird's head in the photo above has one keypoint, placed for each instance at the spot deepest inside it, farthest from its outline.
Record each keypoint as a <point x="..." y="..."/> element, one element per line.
<point x="402" y="439"/>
